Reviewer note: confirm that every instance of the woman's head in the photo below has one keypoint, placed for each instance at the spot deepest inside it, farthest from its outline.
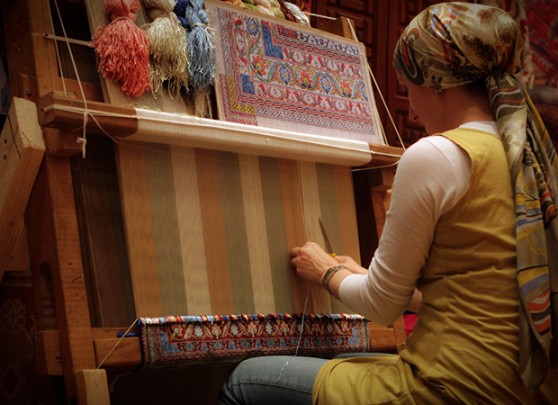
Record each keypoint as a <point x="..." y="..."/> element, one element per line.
<point x="452" y="44"/>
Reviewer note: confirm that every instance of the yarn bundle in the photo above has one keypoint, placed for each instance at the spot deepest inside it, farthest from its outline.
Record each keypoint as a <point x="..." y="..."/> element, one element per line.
<point x="168" y="47"/>
<point x="122" y="48"/>
<point x="201" y="51"/>
<point x="176" y="48"/>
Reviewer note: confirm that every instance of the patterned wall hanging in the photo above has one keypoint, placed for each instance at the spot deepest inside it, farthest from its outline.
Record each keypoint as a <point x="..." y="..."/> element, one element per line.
<point x="278" y="74"/>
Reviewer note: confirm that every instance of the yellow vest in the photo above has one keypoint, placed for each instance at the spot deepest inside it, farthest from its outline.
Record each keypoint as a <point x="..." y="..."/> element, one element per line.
<point x="464" y="346"/>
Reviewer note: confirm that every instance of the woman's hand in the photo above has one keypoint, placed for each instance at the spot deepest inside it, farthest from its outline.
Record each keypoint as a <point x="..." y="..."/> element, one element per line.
<point x="311" y="262"/>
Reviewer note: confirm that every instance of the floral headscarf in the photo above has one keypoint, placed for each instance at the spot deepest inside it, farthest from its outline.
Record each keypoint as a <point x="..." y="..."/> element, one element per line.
<point x="452" y="44"/>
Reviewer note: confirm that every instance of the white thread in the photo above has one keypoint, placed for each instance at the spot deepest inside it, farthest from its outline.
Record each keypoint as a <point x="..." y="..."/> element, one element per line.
<point x="325" y="17"/>
<point x="58" y="59"/>
<point x="70" y="40"/>
<point x="83" y="139"/>
<point x="117" y="343"/>
<point x="353" y="32"/>
<point x="299" y="336"/>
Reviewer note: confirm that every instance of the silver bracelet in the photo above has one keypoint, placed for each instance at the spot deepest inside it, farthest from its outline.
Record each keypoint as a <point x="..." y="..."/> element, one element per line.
<point x="328" y="275"/>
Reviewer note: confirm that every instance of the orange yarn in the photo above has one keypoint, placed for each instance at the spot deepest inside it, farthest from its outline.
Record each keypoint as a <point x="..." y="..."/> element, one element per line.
<point x="122" y="48"/>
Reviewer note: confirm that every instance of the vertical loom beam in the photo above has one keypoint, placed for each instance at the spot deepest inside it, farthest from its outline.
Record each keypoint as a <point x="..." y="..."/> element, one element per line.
<point x="22" y="148"/>
<point x="55" y="247"/>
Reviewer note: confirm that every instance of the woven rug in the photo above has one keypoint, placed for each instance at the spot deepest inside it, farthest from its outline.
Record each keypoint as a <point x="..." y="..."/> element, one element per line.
<point x="279" y="74"/>
<point x="186" y="341"/>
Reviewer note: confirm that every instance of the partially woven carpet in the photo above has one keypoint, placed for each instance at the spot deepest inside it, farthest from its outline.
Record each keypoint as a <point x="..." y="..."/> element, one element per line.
<point x="179" y="341"/>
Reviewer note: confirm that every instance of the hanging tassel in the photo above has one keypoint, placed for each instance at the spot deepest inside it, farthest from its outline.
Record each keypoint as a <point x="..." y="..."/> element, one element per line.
<point x="122" y="48"/>
<point x="276" y="9"/>
<point x="180" y="13"/>
<point x="238" y="3"/>
<point x="201" y="48"/>
<point x="294" y="13"/>
<point x="168" y="47"/>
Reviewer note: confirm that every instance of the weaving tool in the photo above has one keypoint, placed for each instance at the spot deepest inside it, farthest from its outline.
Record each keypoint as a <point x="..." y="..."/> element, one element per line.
<point x="328" y="246"/>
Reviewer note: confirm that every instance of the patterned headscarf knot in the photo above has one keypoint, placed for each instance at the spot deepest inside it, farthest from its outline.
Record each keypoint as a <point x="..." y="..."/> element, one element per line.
<point x="451" y="44"/>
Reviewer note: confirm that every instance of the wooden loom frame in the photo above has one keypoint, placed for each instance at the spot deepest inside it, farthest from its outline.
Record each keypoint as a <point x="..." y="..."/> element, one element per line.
<point x="72" y="347"/>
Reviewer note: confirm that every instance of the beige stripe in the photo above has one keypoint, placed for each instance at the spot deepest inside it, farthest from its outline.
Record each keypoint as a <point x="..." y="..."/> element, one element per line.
<point x="192" y="248"/>
<point x="328" y="206"/>
<point x="256" y="230"/>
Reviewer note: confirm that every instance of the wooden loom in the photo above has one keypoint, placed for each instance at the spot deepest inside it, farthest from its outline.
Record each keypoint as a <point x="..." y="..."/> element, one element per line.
<point x="228" y="187"/>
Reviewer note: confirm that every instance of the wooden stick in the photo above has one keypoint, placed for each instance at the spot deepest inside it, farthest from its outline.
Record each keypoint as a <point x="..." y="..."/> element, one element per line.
<point x="92" y="387"/>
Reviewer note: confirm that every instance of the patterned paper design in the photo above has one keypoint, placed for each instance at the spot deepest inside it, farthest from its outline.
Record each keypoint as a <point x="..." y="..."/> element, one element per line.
<point x="282" y="75"/>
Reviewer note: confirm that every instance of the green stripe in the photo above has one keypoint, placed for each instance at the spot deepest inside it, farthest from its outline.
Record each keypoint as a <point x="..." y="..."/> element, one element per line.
<point x="235" y="232"/>
<point x="165" y="229"/>
<point x="328" y="204"/>
<point x="276" y="234"/>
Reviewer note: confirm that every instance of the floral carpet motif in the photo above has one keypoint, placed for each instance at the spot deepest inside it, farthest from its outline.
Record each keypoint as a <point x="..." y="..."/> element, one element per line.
<point x="283" y="75"/>
<point x="178" y="341"/>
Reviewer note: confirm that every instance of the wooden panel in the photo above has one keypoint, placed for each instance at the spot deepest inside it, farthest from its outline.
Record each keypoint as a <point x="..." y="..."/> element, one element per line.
<point x="400" y="14"/>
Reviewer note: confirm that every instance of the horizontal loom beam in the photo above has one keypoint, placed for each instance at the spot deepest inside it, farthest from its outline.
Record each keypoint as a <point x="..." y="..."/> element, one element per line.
<point x="126" y="352"/>
<point x="124" y="124"/>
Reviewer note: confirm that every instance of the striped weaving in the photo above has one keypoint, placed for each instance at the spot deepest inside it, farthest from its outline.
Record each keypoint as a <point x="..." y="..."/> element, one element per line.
<point x="210" y="232"/>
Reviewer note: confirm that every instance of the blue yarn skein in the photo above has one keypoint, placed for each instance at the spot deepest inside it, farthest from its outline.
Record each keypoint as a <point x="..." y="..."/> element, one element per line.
<point x="180" y="11"/>
<point x="201" y="46"/>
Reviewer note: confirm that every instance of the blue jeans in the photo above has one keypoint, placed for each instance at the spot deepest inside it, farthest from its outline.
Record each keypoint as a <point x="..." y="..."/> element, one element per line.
<point x="272" y="380"/>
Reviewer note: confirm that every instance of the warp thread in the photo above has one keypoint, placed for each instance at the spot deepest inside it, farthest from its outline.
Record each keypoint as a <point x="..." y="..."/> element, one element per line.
<point x="201" y="50"/>
<point x="168" y="48"/>
<point x="122" y="48"/>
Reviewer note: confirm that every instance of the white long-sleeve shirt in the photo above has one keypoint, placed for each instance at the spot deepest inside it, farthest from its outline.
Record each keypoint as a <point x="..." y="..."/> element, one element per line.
<point x="431" y="177"/>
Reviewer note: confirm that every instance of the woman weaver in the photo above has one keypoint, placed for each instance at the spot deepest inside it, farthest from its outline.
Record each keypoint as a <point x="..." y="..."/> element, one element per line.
<point x="472" y="225"/>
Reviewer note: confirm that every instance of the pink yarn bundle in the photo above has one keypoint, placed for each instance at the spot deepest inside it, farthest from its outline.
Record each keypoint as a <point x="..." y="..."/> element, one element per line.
<point x="122" y="48"/>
